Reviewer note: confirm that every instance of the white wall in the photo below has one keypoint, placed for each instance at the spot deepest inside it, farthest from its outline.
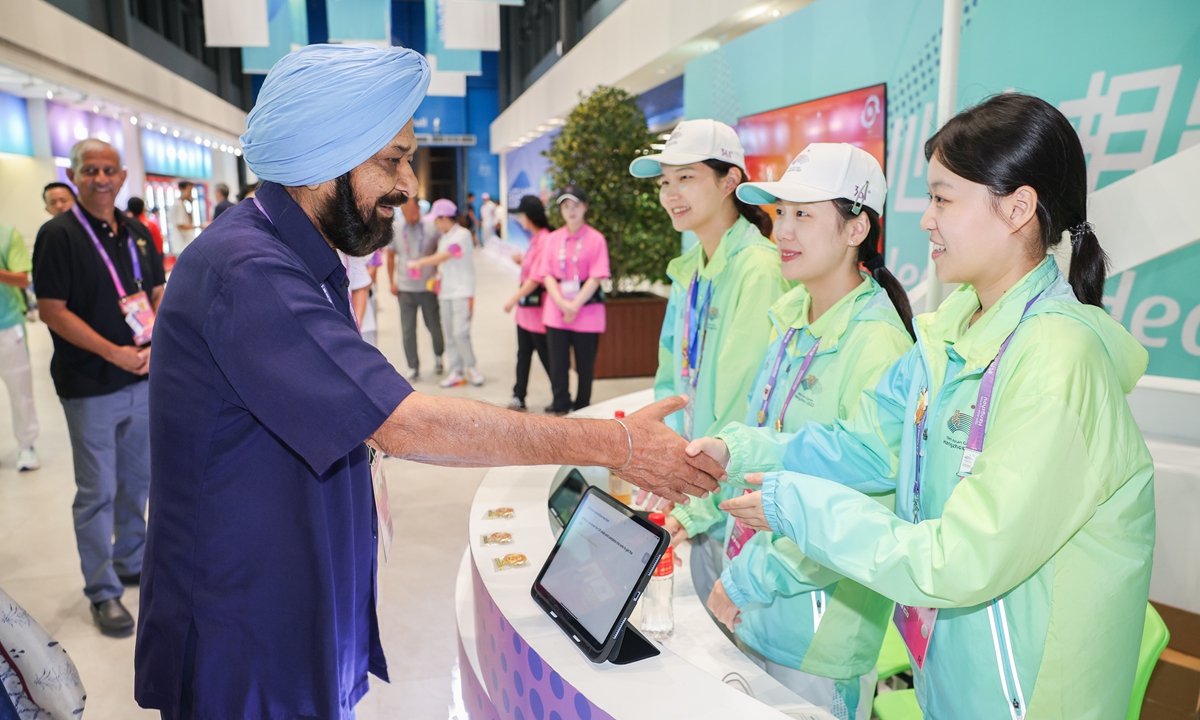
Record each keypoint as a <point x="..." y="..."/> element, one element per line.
<point x="22" y="180"/>
<point x="39" y="38"/>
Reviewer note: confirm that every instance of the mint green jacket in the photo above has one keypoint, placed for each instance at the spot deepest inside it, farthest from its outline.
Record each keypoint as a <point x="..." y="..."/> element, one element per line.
<point x="1055" y="523"/>
<point x="747" y="278"/>
<point x="860" y="337"/>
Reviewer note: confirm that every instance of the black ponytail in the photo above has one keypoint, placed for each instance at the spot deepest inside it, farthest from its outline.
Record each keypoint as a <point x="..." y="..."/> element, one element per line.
<point x="1012" y="140"/>
<point x="870" y="254"/>
<point x="756" y="215"/>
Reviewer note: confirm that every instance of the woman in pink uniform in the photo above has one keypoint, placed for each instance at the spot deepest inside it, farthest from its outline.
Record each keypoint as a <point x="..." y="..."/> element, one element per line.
<point x="531" y="331"/>
<point x="574" y="259"/>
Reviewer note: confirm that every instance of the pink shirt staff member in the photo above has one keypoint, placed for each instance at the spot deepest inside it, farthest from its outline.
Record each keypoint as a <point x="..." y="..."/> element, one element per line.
<point x="531" y="331"/>
<point x="573" y="262"/>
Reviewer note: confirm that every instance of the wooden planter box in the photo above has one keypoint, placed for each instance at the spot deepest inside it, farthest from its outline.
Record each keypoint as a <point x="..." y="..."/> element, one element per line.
<point x="629" y="345"/>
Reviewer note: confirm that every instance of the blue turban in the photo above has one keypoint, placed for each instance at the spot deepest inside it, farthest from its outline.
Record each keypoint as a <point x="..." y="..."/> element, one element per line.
<point x="325" y="109"/>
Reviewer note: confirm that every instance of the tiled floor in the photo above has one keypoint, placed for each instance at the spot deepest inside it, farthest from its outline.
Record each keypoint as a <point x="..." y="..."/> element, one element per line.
<point x="39" y="565"/>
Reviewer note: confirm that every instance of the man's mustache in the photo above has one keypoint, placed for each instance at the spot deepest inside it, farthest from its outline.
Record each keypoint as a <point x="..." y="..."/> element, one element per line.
<point x="394" y="199"/>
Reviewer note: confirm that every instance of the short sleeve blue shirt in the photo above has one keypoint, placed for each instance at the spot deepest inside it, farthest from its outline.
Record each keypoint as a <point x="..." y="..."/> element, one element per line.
<point x="258" y="584"/>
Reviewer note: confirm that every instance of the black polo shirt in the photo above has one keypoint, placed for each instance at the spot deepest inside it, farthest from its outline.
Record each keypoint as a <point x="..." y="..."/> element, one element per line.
<point x="66" y="266"/>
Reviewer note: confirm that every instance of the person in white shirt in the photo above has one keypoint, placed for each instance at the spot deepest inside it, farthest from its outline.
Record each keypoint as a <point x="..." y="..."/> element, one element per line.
<point x="455" y="260"/>
<point x="359" y="273"/>
<point x="487" y="219"/>
<point x="183" y="224"/>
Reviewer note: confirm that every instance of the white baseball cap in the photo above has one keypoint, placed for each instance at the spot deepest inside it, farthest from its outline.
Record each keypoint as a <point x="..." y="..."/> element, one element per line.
<point x="693" y="141"/>
<point x="824" y="171"/>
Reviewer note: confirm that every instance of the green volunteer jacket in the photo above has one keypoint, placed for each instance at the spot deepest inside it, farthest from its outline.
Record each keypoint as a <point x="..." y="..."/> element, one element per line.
<point x="747" y="278"/>
<point x="860" y="337"/>
<point x="1056" y="523"/>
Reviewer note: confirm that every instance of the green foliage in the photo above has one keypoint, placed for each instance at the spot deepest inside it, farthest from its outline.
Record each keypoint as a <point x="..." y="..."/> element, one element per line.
<point x="602" y="135"/>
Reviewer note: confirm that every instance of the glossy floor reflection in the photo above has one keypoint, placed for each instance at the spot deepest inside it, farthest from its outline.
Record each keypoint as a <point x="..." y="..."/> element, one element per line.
<point x="39" y="565"/>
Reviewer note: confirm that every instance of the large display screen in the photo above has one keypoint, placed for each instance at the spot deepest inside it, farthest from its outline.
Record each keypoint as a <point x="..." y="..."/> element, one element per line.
<point x="600" y="559"/>
<point x="773" y="138"/>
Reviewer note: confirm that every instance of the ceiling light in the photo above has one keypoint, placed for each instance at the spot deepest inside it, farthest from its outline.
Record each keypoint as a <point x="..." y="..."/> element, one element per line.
<point x="208" y="143"/>
<point x="756" y="12"/>
<point x="237" y="151"/>
<point x="163" y="129"/>
<point x="49" y="94"/>
<point x="133" y="120"/>
<point x="96" y="108"/>
<point x="149" y="126"/>
<point x="198" y="140"/>
<point x="775" y="13"/>
<point x="176" y="133"/>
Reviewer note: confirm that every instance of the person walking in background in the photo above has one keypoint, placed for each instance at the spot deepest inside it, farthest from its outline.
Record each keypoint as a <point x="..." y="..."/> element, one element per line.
<point x="362" y="279"/>
<point x="470" y="220"/>
<point x="59" y="197"/>
<point x="183" y="223"/>
<point x="14" y="352"/>
<point x="98" y="274"/>
<point x="136" y="207"/>
<point x="487" y="220"/>
<point x="223" y="202"/>
<point x="531" y="329"/>
<point x="572" y="264"/>
<point x="455" y="260"/>
<point x="415" y="238"/>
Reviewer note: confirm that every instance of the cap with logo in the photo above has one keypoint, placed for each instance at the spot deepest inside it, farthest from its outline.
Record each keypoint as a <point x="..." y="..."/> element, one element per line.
<point x="571" y="192"/>
<point x="824" y="171"/>
<point x="693" y="141"/>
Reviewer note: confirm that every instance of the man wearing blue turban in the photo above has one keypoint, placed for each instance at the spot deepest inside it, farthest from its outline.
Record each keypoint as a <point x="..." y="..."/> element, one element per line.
<point x="258" y="584"/>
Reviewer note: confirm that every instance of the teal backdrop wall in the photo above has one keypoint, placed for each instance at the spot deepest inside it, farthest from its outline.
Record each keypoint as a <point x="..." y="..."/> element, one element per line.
<point x="1127" y="73"/>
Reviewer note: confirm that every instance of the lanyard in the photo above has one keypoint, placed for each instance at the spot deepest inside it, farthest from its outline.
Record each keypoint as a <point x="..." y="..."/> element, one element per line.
<point x="695" y="320"/>
<point x="112" y="270"/>
<point x="978" y="424"/>
<point x="796" y="383"/>
<point x="349" y="295"/>
<point x="562" y="254"/>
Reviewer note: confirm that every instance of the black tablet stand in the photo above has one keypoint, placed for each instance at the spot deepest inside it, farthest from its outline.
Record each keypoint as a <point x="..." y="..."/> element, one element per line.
<point x="631" y="647"/>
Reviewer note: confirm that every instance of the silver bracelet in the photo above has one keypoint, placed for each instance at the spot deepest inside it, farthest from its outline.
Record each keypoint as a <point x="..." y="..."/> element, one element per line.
<point x="628" y="437"/>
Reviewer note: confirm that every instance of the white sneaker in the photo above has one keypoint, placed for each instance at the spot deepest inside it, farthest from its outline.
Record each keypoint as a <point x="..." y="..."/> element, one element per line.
<point x="414" y="375"/>
<point x="475" y="377"/>
<point x="454" y="380"/>
<point x="438" y="366"/>
<point x="28" y="460"/>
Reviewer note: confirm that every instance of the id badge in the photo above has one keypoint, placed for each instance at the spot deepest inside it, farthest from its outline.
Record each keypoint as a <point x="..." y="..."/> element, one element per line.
<point x="139" y="316"/>
<point x="739" y="536"/>
<point x="569" y="288"/>
<point x="916" y="628"/>
<point x="383" y="509"/>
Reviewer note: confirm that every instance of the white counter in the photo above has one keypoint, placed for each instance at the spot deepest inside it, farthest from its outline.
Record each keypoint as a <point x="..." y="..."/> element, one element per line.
<point x="516" y="663"/>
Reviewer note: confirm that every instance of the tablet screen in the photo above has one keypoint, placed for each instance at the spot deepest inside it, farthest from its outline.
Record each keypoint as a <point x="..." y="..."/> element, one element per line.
<point x="600" y="559"/>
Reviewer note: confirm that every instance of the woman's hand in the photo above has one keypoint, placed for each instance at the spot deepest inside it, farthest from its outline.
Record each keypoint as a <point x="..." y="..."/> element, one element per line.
<point x="653" y="503"/>
<point x="518" y="258"/>
<point x="678" y="534"/>
<point x="723" y="608"/>
<point x="512" y="303"/>
<point x="570" y="311"/>
<point x="712" y="447"/>
<point x="748" y="508"/>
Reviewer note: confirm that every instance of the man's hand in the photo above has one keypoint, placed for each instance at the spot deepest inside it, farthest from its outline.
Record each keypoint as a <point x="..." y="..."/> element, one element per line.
<point x="395" y="290"/>
<point x="723" y="608"/>
<point x="659" y="463"/>
<point x="712" y="447"/>
<point x="749" y="508"/>
<point x="130" y="358"/>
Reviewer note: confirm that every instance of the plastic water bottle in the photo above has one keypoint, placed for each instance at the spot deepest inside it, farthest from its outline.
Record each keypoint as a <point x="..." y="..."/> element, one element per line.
<point x="658" y="616"/>
<point x="617" y="487"/>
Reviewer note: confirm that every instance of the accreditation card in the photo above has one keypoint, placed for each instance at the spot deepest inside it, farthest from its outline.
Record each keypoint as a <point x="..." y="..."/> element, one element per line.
<point x="383" y="509"/>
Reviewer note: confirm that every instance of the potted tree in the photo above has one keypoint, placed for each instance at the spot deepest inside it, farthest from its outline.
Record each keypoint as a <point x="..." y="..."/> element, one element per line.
<point x="604" y="132"/>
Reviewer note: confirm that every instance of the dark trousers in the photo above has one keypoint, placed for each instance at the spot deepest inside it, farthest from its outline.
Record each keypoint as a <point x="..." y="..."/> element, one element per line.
<point x="527" y="342"/>
<point x="427" y="302"/>
<point x="586" y="346"/>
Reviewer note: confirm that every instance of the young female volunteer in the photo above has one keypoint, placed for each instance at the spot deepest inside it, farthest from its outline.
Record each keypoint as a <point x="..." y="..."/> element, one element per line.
<point x="573" y="262"/>
<point x="531" y="329"/>
<point x="716" y="325"/>
<point x="834" y="336"/>
<point x="1036" y="545"/>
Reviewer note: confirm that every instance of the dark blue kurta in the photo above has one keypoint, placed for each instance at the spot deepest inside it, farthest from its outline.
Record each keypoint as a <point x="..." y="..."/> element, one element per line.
<point x="259" y="577"/>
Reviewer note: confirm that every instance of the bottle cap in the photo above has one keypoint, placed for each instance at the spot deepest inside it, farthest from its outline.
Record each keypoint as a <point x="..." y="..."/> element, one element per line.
<point x="658" y="519"/>
<point x="619" y="414"/>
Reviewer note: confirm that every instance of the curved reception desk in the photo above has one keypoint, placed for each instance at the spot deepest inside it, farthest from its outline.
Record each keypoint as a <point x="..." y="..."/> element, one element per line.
<point x="516" y="664"/>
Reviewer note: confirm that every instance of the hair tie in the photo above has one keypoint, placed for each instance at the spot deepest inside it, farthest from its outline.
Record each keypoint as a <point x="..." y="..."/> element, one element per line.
<point x="1080" y="230"/>
<point x="874" y="263"/>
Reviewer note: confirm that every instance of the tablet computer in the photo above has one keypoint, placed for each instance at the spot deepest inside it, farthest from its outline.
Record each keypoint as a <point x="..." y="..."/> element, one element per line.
<point x="597" y="571"/>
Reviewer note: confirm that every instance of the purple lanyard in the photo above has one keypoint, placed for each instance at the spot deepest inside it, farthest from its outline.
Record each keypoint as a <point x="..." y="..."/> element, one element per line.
<point x="983" y="405"/>
<point x="799" y="380"/>
<point x="695" y="320"/>
<point x="112" y="270"/>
